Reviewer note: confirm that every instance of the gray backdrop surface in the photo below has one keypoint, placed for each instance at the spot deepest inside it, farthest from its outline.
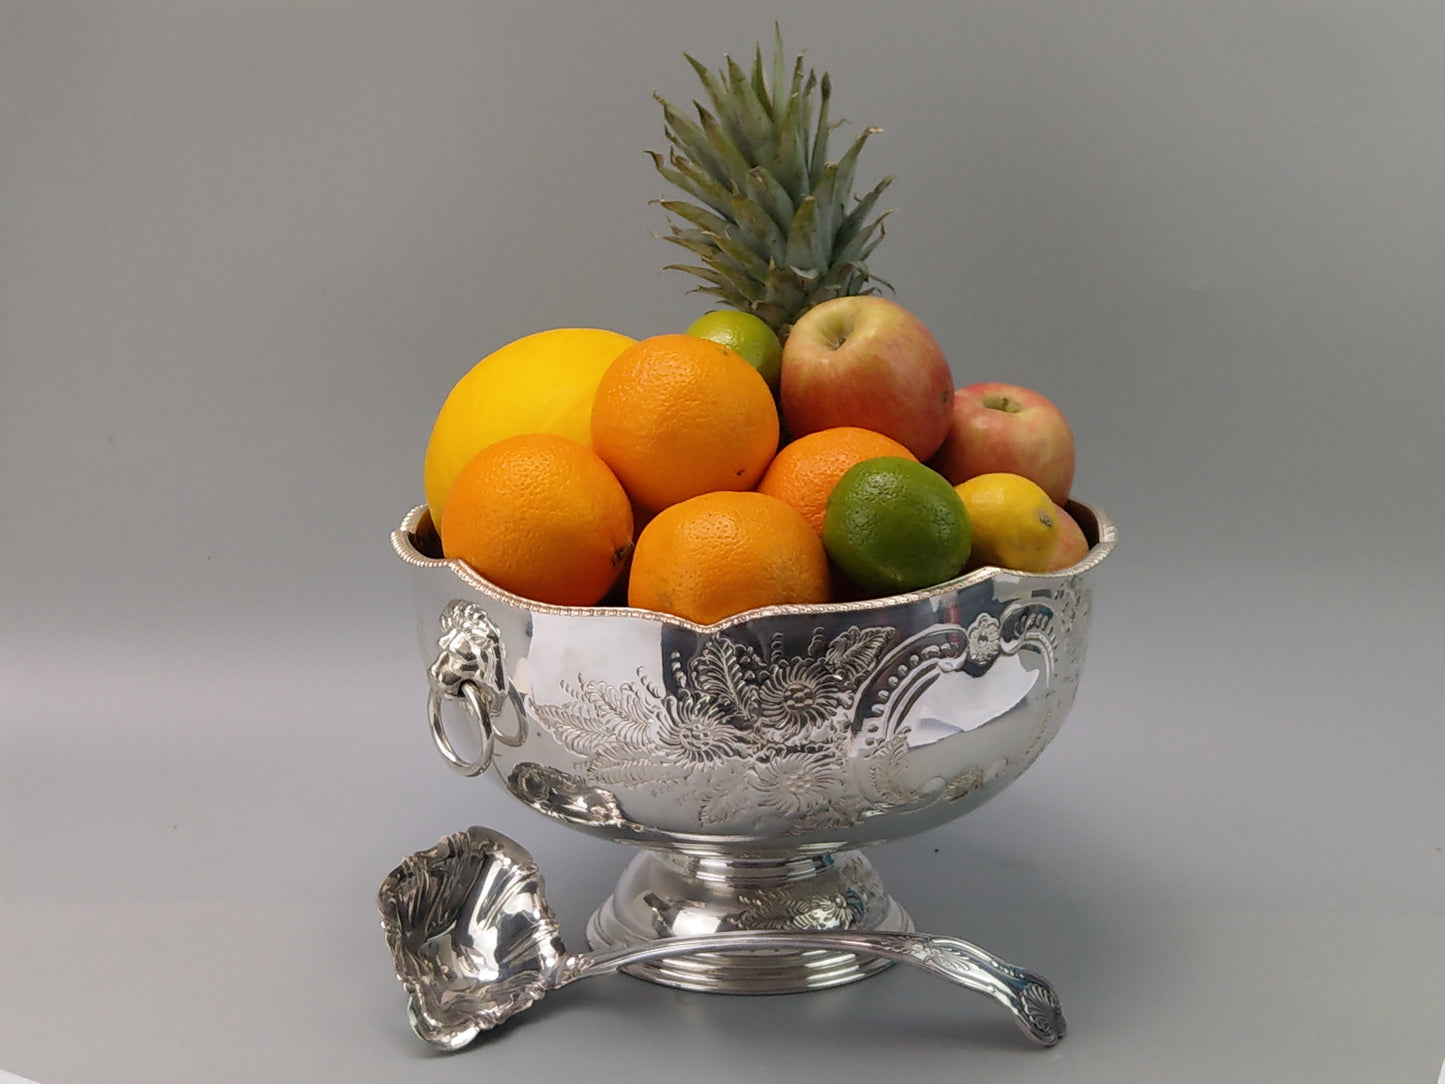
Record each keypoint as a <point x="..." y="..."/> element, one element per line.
<point x="245" y="250"/>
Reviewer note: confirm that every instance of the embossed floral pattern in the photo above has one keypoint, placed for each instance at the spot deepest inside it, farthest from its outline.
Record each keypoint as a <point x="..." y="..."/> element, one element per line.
<point x="985" y="636"/>
<point x="690" y="734"/>
<point x="781" y="910"/>
<point x="800" y="783"/>
<point x="764" y="737"/>
<point x="787" y="716"/>
<point x="797" y="695"/>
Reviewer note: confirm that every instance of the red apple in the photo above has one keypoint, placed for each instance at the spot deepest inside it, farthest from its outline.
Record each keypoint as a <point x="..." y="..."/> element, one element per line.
<point x="869" y="362"/>
<point x="1003" y="427"/>
<point x="1072" y="547"/>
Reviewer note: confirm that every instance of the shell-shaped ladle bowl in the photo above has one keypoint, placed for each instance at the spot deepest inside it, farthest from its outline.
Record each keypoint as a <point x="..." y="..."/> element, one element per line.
<point x="474" y="943"/>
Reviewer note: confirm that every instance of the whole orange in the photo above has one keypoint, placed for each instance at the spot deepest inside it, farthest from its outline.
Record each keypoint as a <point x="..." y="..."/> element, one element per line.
<point x="718" y="554"/>
<point x="805" y="471"/>
<point x="541" y="516"/>
<point x="675" y="416"/>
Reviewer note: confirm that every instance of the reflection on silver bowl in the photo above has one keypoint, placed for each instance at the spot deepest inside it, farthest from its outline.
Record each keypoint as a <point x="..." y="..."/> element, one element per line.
<point x="749" y="760"/>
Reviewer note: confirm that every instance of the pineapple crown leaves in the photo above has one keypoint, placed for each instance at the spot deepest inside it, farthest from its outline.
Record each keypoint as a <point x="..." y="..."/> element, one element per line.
<point x="768" y="215"/>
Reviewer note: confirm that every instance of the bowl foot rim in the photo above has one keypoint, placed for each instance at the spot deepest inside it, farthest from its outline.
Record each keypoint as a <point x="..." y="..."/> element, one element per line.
<point x="663" y="894"/>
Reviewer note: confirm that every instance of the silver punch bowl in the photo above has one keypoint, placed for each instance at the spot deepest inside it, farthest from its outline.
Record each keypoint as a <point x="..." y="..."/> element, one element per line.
<point x="750" y="761"/>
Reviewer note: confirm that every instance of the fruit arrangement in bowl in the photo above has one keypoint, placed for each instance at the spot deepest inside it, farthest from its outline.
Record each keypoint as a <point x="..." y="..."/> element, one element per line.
<point x="754" y="594"/>
<point x="721" y="470"/>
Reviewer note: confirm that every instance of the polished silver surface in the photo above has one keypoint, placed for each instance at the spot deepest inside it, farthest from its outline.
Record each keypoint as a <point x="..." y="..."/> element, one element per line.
<point x="662" y="894"/>
<point x="470" y="666"/>
<point x="751" y="759"/>
<point x="474" y="943"/>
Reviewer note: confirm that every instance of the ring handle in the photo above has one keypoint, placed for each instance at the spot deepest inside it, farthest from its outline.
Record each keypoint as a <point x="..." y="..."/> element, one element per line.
<point x="477" y="712"/>
<point x="471" y="667"/>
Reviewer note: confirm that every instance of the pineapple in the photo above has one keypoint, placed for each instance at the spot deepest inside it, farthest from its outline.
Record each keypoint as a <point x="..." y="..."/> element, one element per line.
<point x="771" y="222"/>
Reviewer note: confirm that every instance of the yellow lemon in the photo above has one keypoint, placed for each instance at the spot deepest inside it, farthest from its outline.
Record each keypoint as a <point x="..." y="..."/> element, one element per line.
<point x="1013" y="520"/>
<point x="541" y="383"/>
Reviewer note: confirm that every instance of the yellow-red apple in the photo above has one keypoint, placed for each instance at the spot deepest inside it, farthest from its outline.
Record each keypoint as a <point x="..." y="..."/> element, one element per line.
<point x="1003" y="427"/>
<point x="1072" y="547"/>
<point x="869" y="362"/>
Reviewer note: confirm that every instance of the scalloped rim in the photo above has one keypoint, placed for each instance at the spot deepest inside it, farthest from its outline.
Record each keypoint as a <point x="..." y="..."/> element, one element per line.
<point x="402" y="543"/>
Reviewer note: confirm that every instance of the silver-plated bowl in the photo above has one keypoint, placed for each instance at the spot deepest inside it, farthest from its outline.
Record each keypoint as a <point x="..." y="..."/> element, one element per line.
<point x="751" y="759"/>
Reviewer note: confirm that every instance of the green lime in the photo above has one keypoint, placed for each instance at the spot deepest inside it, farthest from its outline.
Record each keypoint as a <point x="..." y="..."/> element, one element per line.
<point x="893" y="525"/>
<point x="747" y="335"/>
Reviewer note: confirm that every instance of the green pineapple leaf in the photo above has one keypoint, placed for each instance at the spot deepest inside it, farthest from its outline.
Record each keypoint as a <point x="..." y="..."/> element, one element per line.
<point x="768" y="216"/>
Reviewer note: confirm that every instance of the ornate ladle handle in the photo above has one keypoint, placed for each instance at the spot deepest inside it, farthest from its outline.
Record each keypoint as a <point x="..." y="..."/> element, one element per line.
<point x="1027" y="996"/>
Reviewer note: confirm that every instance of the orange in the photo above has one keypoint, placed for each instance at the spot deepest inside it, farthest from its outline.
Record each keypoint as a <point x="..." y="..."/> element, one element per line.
<point x="718" y="554"/>
<point x="675" y="416"/>
<point x="805" y="471"/>
<point x="541" y="516"/>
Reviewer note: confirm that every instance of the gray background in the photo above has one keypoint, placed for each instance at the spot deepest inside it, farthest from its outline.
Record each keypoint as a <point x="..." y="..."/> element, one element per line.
<point x="245" y="250"/>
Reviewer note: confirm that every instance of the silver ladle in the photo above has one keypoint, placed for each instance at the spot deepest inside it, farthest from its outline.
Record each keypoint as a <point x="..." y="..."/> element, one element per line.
<point x="474" y="943"/>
